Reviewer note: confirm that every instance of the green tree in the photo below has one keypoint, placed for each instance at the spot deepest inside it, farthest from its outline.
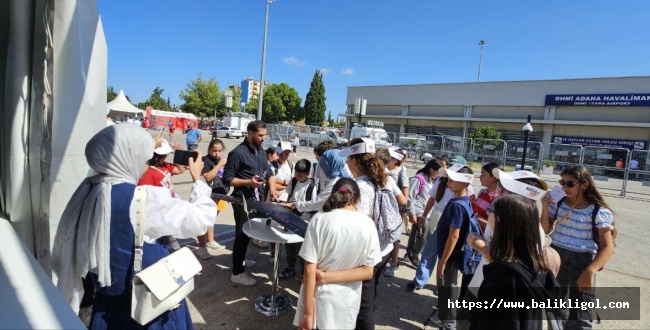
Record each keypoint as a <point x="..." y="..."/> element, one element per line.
<point x="251" y="107"/>
<point x="202" y="97"/>
<point x="155" y="101"/>
<point x="110" y="94"/>
<point x="281" y="102"/>
<point x="315" y="101"/>
<point x="329" y="118"/>
<point x="484" y="133"/>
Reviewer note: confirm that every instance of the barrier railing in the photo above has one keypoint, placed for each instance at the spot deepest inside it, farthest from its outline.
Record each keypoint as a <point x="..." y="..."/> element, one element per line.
<point x="488" y="150"/>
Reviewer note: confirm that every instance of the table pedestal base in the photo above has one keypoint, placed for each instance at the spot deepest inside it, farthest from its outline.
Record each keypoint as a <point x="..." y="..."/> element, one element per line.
<point x="273" y="307"/>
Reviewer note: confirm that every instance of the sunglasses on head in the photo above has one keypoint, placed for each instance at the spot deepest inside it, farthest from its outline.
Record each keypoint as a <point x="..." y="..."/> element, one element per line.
<point x="569" y="184"/>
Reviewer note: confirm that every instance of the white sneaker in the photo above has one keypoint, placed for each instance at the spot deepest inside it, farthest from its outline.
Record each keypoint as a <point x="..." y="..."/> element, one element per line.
<point x="213" y="245"/>
<point x="243" y="279"/>
<point x="249" y="263"/>
<point x="260" y="243"/>
<point x="390" y="271"/>
<point x="203" y="253"/>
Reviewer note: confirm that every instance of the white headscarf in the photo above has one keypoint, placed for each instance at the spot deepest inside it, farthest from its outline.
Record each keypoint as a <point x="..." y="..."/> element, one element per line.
<point x="82" y="243"/>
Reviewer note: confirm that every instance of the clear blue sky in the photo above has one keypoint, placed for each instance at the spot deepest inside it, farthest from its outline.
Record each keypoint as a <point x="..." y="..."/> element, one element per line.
<point x="365" y="43"/>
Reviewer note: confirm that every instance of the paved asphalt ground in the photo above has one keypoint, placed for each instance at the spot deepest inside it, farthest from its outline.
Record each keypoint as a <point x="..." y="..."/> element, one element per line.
<point x="216" y="303"/>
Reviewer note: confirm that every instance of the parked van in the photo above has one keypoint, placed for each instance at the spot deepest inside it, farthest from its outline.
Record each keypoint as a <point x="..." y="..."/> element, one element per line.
<point x="374" y="130"/>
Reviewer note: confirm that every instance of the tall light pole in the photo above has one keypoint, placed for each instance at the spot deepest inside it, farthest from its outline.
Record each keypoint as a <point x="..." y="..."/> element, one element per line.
<point x="480" y="59"/>
<point x="261" y="96"/>
<point x="528" y="128"/>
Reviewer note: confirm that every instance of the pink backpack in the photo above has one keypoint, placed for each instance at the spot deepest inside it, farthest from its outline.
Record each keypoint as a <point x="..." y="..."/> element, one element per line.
<point x="422" y="182"/>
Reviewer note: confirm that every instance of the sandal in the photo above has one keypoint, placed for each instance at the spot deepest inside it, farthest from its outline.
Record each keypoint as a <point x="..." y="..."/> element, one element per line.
<point x="287" y="273"/>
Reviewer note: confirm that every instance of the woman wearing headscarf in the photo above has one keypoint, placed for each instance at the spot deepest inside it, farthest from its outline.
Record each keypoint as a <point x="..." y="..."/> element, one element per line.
<point x="331" y="167"/>
<point x="96" y="232"/>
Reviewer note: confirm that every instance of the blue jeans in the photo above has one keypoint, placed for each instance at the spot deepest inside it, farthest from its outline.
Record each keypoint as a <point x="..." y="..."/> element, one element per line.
<point x="427" y="261"/>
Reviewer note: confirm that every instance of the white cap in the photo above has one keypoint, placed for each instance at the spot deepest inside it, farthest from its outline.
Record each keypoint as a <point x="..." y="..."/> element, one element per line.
<point x="517" y="175"/>
<point x="283" y="146"/>
<point x="509" y="182"/>
<point x="396" y="152"/>
<point x="365" y="147"/>
<point x="452" y="173"/>
<point x="164" y="148"/>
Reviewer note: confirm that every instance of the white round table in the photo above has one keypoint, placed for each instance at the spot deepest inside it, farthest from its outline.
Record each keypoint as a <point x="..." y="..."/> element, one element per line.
<point x="268" y="230"/>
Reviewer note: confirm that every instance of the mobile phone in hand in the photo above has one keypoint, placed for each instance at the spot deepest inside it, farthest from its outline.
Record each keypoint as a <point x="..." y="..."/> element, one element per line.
<point x="182" y="157"/>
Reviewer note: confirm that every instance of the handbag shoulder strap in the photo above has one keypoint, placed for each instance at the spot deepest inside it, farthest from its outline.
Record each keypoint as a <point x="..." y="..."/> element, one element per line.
<point x="139" y="199"/>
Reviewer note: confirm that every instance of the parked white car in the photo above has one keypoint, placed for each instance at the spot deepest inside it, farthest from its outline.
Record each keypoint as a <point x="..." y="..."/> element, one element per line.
<point x="228" y="132"/>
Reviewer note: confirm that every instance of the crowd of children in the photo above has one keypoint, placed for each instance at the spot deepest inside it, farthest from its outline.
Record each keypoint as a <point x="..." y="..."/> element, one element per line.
<point x="352" y="199"/>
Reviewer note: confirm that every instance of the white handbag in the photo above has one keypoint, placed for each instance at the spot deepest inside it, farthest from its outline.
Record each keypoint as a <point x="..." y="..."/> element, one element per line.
<point x="161" y="286"/>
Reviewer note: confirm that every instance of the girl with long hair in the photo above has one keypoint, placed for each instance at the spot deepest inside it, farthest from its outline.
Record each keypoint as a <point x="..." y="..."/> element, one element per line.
<point x="342" y="246"/>
<point x="213" y="164"/>
<point x="582" y="229"/>
<point x="518" y="270"/>
<point x="419" y="187"/>
<point x="370" y="174"/>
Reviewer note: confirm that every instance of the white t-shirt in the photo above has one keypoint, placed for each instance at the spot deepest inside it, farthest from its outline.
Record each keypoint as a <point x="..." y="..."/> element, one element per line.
<point x="284" y="172"/>
<point x="300" y="194"/>
<point x="334" y="241"/>
<point x="367" y="203"/>
<point x="395" y="174"/>
<point x="317" y="203"/>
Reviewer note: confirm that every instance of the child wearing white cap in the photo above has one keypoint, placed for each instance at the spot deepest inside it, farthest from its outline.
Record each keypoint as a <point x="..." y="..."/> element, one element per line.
<point x="370" y="173"/>
<point x="449" y="240"/>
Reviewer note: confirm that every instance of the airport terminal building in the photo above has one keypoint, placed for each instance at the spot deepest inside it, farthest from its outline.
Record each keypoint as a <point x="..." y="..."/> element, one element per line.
<point x="599" y="112"/>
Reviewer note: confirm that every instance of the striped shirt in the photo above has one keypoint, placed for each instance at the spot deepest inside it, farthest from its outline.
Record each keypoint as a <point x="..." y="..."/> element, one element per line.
<point x="575" y="233"/>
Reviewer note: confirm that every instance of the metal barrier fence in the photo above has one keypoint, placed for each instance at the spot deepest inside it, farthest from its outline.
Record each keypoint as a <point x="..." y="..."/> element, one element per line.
<point x="603" y="165"/>
<point x="434" y="145"/>
<point x="488" y="151"/>
<point x="456" y="145"/>
<point x="617" y="169"/>
<point x="515" y="151"/>
<point x="637" y="174"/>
<point x="557" y="157"/>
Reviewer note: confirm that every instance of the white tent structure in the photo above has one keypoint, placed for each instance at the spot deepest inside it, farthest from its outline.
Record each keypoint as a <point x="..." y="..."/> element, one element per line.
<point x="53" y="68"/>
<point x="120" y="107"/>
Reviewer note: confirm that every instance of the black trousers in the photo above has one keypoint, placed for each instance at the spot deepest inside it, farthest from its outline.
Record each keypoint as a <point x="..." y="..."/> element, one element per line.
<point x="240" y="244"/>
<point x="366" y="316"/>
<point x="292" y="255"/>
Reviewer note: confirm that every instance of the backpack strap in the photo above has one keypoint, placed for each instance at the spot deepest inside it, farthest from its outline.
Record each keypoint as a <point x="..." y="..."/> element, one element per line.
<point x="294" y="181"/>
<point x="310" y="190"/>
